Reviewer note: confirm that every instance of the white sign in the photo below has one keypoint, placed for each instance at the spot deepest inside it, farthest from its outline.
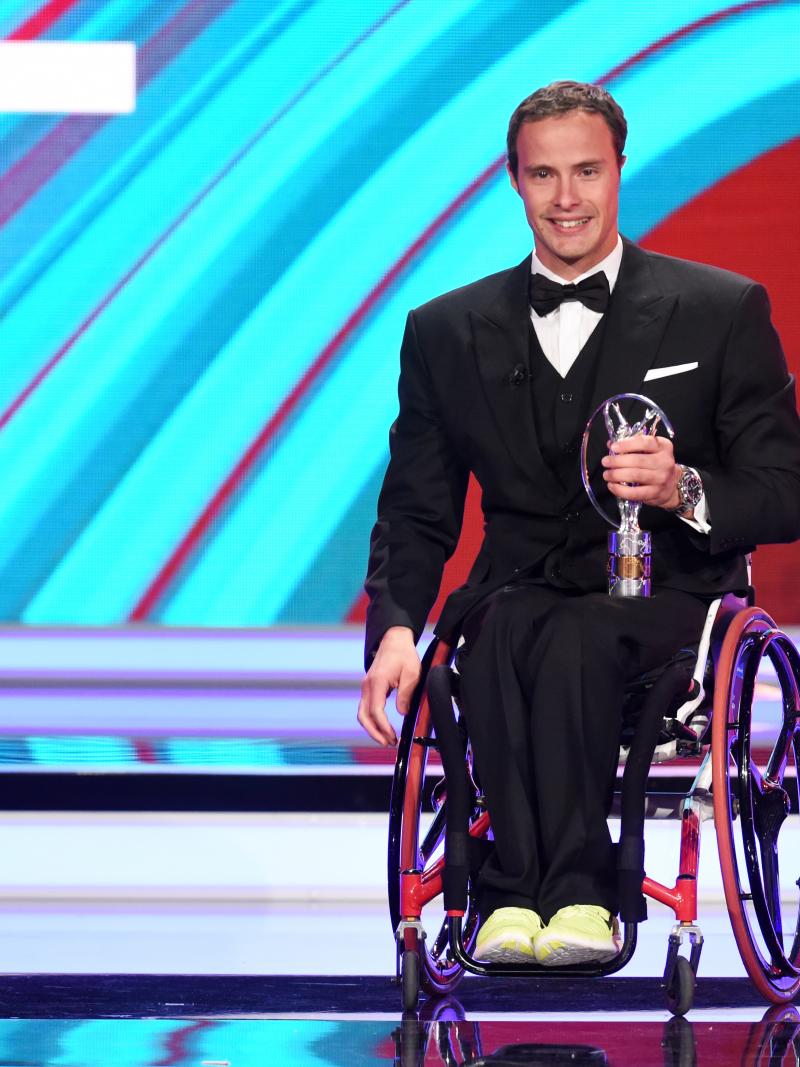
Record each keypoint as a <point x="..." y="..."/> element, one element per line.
<point x="68" y="77"/>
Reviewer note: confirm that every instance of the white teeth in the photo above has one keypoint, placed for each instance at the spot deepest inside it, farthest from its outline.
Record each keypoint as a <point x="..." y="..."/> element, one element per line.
<point x="570" y="224"/>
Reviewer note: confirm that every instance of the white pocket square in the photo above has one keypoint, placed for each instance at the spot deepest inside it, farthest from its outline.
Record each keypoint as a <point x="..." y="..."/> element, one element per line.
<point x="664" y="372"/>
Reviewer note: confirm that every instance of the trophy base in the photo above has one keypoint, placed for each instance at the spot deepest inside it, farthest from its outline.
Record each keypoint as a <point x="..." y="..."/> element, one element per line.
<point x="629" y="587"/>
<point x="629" y="563"/>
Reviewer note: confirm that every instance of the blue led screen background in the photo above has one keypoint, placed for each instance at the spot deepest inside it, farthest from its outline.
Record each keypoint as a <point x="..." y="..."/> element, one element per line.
<point x="201" y="303"/>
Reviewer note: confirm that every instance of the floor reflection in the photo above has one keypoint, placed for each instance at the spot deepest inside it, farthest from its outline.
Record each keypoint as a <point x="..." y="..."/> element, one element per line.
<point x="442" y="1036"/>
<point x="773" y="1041"/>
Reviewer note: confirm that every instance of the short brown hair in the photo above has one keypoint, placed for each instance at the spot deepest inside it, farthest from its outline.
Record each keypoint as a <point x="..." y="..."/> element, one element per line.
<point x="559" y="98"/>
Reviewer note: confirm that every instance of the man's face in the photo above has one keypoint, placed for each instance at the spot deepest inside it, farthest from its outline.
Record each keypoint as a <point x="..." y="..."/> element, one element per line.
<point x="568" y="178"/>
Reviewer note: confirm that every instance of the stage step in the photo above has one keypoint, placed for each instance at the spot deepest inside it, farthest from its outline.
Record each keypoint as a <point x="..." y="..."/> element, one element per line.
<point x="244" y="857"/>
<point x="152" y="703"/>
<point x="193" y="701"/>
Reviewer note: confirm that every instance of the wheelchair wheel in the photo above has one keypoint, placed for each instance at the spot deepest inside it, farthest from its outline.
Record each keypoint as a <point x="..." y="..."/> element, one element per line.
<point x="755" y="789"/>
<point x="439" y="972"/>
<point x="680" y="991"/>
<point x="409" y="979"/>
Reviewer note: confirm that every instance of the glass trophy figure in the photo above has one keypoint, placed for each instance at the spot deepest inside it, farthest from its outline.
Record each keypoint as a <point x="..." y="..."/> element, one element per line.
<point x="628" y="543"/>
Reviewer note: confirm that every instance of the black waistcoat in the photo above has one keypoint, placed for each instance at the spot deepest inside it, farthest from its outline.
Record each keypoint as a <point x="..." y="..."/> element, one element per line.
<point x="560" y="410"/>
<point x="561" y="405"/>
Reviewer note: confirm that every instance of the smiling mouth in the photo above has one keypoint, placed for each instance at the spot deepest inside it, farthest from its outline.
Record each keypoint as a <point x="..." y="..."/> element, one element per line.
<point x="569" y="224"/>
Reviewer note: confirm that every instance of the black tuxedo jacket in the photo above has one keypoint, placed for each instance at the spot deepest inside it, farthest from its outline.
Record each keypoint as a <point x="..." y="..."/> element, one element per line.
<point x="462" y="410"/>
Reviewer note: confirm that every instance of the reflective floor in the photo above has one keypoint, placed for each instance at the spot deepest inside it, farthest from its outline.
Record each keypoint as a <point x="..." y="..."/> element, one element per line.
<point x="772" y="1039"/>
<point x="238" y="940"/>
<point x="236" y="984"/>
<point x="134" y="982"/>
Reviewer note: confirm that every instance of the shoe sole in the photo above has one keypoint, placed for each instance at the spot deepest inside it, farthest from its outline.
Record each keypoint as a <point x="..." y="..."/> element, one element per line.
<point x="570" y="955"/>
<point x="505" y="952"/>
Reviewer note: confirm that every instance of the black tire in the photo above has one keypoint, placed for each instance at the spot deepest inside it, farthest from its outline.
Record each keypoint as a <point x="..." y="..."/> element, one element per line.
<point x="753" y="802"/>
<point x="409" y="979"/>
<point x="680" y="991"/>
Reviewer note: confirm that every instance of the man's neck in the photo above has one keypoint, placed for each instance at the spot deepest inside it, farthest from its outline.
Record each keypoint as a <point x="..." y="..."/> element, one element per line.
<point x="609" y="264"/>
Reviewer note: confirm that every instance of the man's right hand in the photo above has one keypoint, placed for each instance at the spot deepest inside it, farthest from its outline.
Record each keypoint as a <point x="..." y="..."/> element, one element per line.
<point x="396" y="666"/>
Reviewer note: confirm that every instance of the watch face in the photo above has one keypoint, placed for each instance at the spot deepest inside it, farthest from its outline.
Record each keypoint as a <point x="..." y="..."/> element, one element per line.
<point x="690" y="488"/>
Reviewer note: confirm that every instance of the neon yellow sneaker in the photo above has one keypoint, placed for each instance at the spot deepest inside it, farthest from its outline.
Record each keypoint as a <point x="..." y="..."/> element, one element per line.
<point x="508" y="935"/>
<point x="581" y="933"/>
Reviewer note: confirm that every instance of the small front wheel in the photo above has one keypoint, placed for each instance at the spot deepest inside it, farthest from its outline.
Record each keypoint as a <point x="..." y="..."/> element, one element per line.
<point x="409" y="979"/>
<point x="680" y="991"/>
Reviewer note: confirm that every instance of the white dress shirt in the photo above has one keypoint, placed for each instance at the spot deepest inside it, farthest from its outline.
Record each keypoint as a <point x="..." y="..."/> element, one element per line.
<point x="563" y="333"/>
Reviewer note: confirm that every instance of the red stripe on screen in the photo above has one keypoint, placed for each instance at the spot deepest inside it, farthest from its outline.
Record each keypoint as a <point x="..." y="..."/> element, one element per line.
<point x="41" y="20"/>
<point x="27" y="176"/>
<point x="144" y="750"/>
<point x="180" y="1045"/>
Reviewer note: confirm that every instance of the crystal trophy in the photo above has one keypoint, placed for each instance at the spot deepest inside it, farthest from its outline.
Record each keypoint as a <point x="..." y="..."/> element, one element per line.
<point x="628" y="543"/>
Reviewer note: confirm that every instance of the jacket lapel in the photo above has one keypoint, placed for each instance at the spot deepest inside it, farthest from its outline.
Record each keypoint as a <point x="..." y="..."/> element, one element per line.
<point x="637" y="318"/>
<point x="502" y="349"/>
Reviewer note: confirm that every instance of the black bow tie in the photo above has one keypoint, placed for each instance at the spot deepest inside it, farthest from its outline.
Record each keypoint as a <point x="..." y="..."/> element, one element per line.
<point x="545" y="296"/>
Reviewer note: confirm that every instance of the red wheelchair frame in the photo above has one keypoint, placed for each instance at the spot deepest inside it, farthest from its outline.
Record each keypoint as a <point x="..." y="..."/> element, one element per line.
<point x="728" y="786"/>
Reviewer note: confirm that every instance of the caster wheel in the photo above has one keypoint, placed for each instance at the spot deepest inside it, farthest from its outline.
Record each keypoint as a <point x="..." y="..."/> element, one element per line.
<point x="409" y="979"/>
<point x="680" y="991"/>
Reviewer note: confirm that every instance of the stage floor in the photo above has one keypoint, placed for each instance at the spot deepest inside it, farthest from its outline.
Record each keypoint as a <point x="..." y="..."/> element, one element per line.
<point x="298" y="938"/>
<point x="253" y="1021"/>
<point x="224" y="985"/>
<point x="230" y="910"/>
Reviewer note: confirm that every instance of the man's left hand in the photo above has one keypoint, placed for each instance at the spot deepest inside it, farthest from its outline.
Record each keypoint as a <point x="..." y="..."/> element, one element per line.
<point x="643" y="468"/>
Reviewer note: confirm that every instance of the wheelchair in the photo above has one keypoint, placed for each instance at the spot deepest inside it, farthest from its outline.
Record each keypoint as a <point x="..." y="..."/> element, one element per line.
<point x="699" y="706"/>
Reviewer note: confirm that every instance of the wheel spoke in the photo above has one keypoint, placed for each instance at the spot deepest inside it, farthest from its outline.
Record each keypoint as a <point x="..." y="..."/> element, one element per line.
<point x="434" y="835"/>
<point x="776" y="764"/>
<point x="772" y="885"/>
<point x="770" y="808"/>
<point x="757" y="779"/>
<point x="794" y="952"/>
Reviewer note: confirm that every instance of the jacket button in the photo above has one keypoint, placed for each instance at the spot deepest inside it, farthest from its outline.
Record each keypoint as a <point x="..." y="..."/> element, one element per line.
<point x="567" y="398"/>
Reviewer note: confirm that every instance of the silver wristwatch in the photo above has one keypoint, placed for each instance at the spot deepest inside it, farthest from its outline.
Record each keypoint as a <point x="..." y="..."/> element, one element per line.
<point x="690" y="491"/>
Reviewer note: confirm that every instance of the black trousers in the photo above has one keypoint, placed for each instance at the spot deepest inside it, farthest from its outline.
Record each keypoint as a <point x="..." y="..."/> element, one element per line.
<point x="543" y="672"/>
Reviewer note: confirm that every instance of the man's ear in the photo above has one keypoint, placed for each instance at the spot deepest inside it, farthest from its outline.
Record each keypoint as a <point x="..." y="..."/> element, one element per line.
<point x="512" y="176"/>
<point x="623" y="160"/>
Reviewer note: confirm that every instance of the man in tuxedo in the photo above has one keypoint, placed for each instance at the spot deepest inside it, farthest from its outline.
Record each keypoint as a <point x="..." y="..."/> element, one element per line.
<point x="498" y="379"/>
